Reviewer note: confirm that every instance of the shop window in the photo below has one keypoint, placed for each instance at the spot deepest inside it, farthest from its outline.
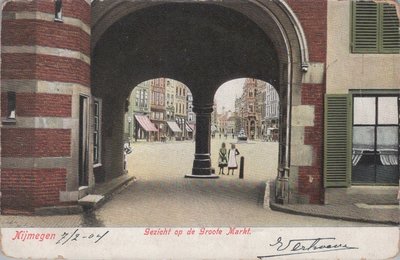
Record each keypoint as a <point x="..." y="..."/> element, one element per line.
<point x="375" y="28"/>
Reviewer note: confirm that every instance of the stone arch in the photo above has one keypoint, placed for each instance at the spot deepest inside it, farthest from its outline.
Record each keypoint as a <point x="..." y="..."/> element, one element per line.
<point x="274" y="19"/>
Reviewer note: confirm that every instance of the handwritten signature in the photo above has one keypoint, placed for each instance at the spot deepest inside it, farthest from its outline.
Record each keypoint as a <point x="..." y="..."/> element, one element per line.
<point x="306" y="246"/>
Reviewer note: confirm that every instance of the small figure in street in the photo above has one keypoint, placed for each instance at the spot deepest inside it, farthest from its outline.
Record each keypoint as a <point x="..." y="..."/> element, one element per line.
<point x="219" y="135"/>
<point x="226" y="135"/>
<point x="222" y="160"/>
<point x="232" y="162"/>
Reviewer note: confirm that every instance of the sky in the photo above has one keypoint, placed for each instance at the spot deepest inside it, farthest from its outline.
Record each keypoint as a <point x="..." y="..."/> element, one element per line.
<point x="227" y="93"/>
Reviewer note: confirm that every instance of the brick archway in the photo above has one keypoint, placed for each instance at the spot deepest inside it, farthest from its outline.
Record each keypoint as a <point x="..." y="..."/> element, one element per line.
<point x="280" y="23"/>
<point x="270" y="45"/>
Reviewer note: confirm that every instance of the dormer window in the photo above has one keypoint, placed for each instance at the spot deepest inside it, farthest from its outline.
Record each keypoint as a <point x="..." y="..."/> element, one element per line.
<point x="58" y="11"/>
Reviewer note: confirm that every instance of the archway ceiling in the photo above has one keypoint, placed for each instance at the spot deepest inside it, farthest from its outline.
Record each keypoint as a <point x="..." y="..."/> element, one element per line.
<point x="201" y="45"/>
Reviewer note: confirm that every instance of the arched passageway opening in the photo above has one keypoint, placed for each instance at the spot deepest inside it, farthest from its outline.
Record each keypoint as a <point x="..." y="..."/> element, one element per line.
<point x="200" y="44"/>
<point x="246" y="113"/>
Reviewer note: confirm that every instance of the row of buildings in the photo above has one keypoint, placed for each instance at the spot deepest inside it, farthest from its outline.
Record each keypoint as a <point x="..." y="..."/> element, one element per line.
<point x="256" y="112"/>
<point x="159" y="109"/>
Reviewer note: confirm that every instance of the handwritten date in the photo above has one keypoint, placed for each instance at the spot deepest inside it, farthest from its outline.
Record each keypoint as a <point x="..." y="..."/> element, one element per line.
<point x="78" y="236"/>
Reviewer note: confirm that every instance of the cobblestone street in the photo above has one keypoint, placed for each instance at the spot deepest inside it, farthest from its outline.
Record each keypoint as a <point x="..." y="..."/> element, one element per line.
<point x="161" y="196"/>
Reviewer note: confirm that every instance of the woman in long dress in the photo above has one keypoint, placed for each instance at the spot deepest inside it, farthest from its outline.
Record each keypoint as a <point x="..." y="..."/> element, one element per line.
<point x="232" y="162"/>
<point x="222" y="160"/>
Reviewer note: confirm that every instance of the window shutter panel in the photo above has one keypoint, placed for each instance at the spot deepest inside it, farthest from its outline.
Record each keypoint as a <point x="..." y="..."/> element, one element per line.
<point x="337" y="140"/>
<point x="389" y="28"/>
<point x="365" y="27"/>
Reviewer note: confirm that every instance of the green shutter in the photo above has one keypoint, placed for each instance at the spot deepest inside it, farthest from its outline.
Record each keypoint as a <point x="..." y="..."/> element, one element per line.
<point x="365" y="27"/>
<point x="389" y="29"/>
<point x="337" y="141"/>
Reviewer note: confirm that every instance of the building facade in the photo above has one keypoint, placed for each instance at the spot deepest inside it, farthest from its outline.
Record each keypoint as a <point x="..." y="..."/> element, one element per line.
<point x="139" y="104"/>
<point x="158" y="109"/>
<point x="251" y="107"/>
<point x="271" y="107"/>
<point x="365" y="96"/>
<point x="191" y="115"/>
<point x="181" y="108"/>
<point x="170" y="100"/>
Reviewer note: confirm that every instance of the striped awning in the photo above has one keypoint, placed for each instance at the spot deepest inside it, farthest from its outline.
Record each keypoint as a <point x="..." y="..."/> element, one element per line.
<point x="188" y="128"/>
<point x="145" y="123"/>
<point x="174" y="127"/>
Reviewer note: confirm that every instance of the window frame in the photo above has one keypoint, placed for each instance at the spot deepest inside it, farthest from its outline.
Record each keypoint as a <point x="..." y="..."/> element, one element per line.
<point x="58" y="17"/>
<point x="98" y="101"/>
<point x="376" y="125"/>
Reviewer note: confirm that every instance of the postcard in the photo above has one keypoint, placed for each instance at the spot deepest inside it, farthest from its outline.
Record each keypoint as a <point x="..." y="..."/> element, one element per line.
<point x="186" y="129"/>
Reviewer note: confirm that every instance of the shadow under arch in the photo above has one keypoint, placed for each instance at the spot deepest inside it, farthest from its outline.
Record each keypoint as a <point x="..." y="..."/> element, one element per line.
<point x="259" y="39"/>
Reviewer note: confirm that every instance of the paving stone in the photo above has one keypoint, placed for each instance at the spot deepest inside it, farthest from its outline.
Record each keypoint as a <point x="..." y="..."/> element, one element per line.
<point x="161" y="196"/>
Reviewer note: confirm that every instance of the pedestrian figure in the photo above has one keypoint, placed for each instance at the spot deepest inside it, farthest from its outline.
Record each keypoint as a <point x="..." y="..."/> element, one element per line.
<point x="219" y="135"/>
<point x="222" y="160"/>
<point x="225" y="135"/>
<point x="232" y="162"/>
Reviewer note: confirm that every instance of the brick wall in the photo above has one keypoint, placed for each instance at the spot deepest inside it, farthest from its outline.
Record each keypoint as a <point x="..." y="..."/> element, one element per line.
<point x="310" y="177"/>
<point x="25" y="142"/>
<point x="39" y="104"/>
<point x="71" y="8"/>
<point x="45" y="67"/>
<point x="313" y="18"/>
<point x="45" y="33"/>
<point x="25" y="189"/>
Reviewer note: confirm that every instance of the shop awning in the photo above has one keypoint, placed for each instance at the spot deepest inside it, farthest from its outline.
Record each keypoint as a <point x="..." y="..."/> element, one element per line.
<point x="174" y="127"/>
<point x="188" y="128"/>
<point x="193" y="126"/>
<point x="145" y="123"/>
<point x="213" y="128"/>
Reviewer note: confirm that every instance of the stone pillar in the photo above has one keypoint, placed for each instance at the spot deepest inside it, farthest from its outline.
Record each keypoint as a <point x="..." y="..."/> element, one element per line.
<point x="202" y="160"/>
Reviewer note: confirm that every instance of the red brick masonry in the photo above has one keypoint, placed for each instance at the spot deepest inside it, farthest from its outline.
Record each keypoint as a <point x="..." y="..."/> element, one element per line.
<point x="45" y="67"/>
<point x="44" y="33"/>
<point x="29" y="142"/>
<point x="71" y="8"/>
<point x="39" y="105"/>
<point x="23" y="190"/>
<point x="313" y="18"/>
<point x="310" y="179"/>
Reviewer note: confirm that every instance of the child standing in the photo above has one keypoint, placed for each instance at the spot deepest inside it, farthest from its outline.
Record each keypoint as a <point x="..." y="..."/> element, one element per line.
<point x="222" y="160"/>
<point x="232" y="162"/>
